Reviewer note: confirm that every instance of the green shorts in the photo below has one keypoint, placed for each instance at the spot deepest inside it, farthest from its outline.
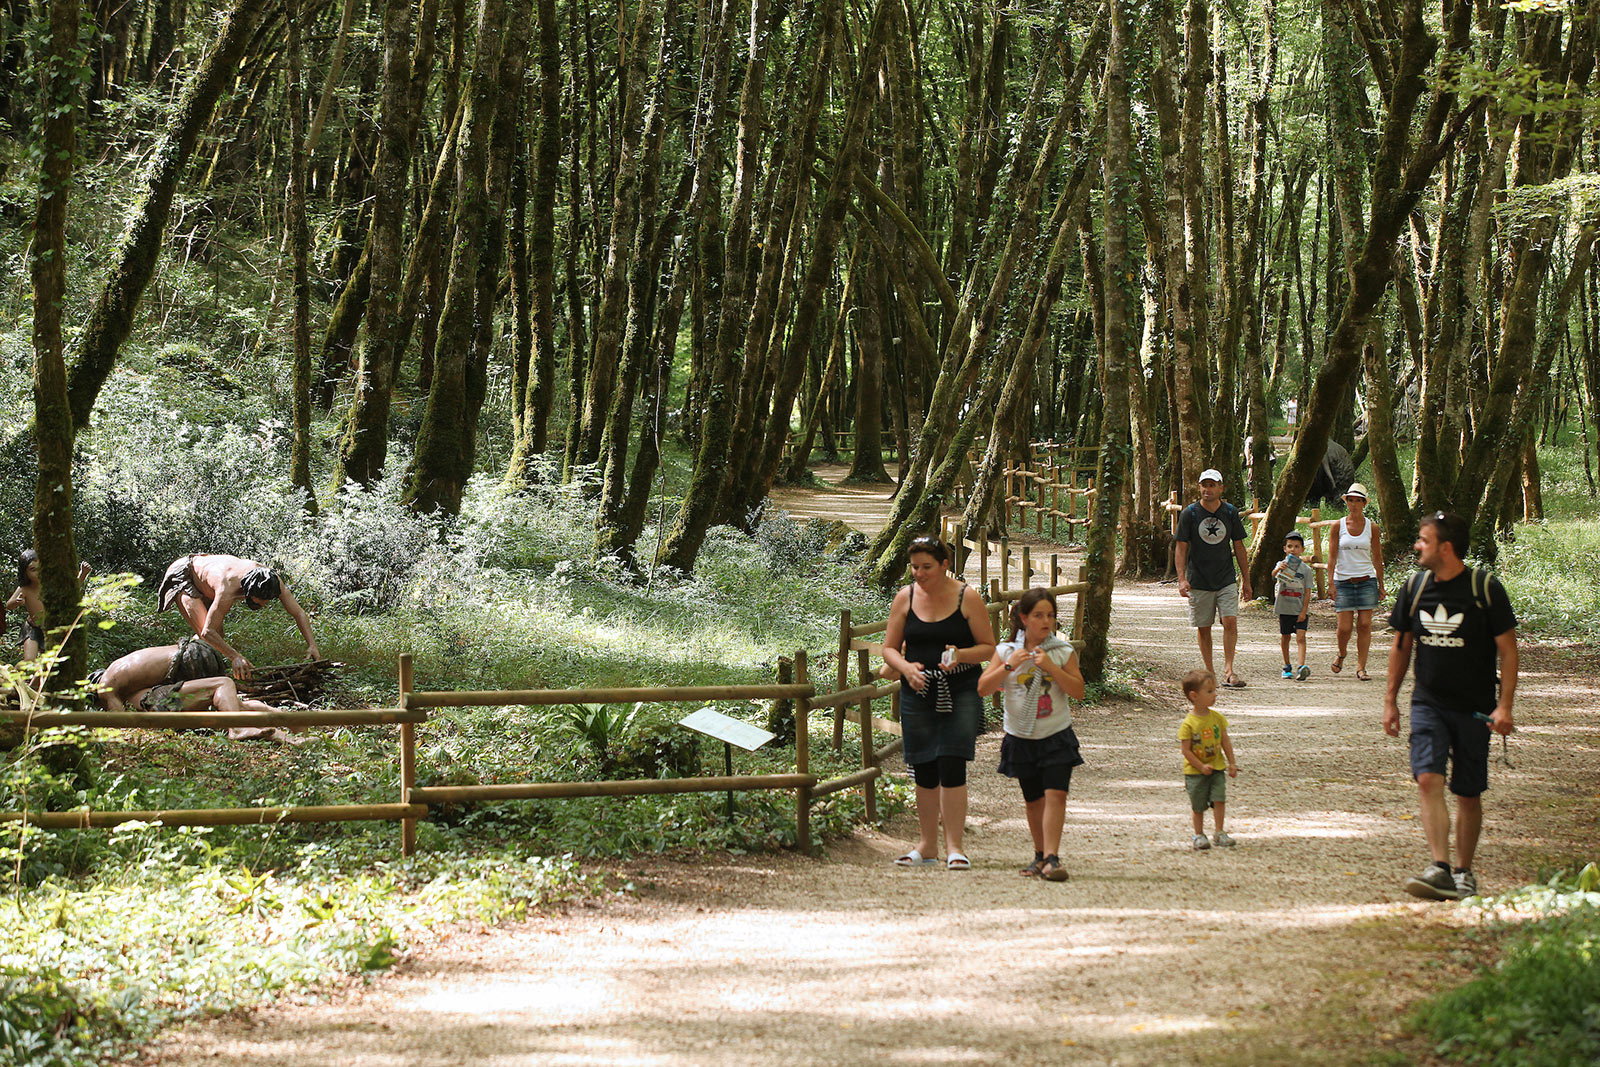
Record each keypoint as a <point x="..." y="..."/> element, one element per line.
<point x="1206" y="789"/>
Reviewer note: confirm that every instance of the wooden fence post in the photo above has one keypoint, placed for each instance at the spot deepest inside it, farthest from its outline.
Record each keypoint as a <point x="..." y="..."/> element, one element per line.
<point x="802" y="755"/>
<point x="868" y="755"/>
<point x="408" y="760"/>
<point x="1027" y="568"/>
<point x="843" y="677"/>
<point x="983" y="557"/>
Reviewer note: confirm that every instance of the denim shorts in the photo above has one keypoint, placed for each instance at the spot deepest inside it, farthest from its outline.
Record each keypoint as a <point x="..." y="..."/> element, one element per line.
<point x="1355" y="596"/>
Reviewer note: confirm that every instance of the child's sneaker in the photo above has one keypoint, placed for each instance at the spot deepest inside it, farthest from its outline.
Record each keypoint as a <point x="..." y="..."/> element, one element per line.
<point x="1303" y="673"/>
<point x="1222" y="840"/>
<point x="1201" y="842"/>
<point x="1288" y="671"/>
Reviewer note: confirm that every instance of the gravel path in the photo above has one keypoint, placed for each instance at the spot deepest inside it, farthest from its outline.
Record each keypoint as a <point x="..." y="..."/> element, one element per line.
<point x="1152" y="952"/>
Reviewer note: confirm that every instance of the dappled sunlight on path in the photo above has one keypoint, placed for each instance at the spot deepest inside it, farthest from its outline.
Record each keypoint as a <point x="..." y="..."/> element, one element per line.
<point x="1152" y="952"/>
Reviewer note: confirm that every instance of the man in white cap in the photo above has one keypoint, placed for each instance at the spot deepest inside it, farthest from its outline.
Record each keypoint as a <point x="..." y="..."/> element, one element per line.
<point x="1210" y="538"/>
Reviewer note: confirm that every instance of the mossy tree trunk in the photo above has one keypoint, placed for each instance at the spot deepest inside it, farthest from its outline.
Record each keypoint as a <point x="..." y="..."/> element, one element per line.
<point x="503" y="140"/>
<point x="1120" y="213"/>
<point x="434" y="482"/>
<point x="364" y="447"/>
<point x="651" y="234"/>
<point x="300" y="255"/>
<point x="626" y="207"/>
<point x="53" y="417"/>
<point x="533" y="431"/>
<point x="111" y="319"/>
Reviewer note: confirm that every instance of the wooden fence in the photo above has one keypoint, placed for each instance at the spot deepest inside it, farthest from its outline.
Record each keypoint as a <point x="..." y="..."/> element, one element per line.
<point x="414" y="709"/>
<point x="188" y="720"/>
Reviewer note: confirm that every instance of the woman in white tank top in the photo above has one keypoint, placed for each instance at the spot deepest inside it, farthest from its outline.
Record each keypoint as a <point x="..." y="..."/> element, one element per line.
<point x="1355" y="559"/>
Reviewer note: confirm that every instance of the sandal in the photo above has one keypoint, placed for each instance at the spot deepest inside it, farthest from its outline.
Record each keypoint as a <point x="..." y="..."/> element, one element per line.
<point x="1338" y="664"/>
<point x="1052" y="870"/>
<point x="1033" y="869"/>
<point x="1231" y="682"/>
<point x="1362" y="675"/>
<point x="957" y="862"/>
<point x="914" y="859"/>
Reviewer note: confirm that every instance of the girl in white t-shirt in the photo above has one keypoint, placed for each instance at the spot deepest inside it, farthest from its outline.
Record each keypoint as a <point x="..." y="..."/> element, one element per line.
<point x="1038" y="673"/>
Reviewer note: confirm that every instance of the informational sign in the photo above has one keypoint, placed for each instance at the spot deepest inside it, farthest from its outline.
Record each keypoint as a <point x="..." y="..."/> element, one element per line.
<point x="726" y="728"/>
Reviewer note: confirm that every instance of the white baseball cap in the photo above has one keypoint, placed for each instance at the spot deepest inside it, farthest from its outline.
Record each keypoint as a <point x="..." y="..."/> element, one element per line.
<point x="1211" y="474"/>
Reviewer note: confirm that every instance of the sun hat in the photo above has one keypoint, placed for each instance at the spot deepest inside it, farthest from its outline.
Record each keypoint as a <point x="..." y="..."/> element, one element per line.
<point x="1211" y="474"/>
<point x="1356" y="489"/>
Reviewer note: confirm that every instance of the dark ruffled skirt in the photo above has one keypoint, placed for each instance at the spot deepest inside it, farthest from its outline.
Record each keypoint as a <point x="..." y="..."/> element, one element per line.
<point x="1021" y="756"/>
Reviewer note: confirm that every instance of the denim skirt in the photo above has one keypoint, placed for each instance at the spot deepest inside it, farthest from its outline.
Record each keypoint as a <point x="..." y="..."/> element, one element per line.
<point x="1355" y="596"/>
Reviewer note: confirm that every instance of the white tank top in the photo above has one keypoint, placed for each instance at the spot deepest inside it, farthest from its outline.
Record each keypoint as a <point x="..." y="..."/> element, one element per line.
<point x="1355" y="552"/>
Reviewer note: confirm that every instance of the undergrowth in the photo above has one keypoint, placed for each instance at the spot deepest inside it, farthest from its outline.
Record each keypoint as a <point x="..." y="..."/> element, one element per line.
<point x="1539" y="1004"/>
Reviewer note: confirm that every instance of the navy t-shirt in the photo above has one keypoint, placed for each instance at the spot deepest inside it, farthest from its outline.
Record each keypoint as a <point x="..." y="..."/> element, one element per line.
<point x="1210" y="535"/>
<point x="1458" y="667"/>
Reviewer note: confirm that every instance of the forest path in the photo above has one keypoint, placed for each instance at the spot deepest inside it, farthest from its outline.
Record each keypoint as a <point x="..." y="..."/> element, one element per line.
<point x="1151" y="953"/>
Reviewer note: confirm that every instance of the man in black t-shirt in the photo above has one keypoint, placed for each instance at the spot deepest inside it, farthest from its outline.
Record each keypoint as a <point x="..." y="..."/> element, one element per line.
<point x="1210" y="537"/>
<point x="1459" y="620"/>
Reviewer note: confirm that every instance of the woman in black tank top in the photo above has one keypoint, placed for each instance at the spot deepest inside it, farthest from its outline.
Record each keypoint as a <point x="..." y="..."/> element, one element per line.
<point x="937" y="639"/>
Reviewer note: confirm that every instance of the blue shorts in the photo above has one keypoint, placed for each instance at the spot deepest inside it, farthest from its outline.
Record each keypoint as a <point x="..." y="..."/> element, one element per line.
<point x="1455" y="738"/>
<point x="1355" y="596"/>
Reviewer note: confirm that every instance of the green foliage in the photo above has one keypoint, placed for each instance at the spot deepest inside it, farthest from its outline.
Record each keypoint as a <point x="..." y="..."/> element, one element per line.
<point x="1539" y="1005"/>
<point x="181" y="929"/>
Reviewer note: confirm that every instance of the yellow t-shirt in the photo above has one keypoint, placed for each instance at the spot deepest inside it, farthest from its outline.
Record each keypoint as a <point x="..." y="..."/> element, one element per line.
<point x="1206" y="733"/>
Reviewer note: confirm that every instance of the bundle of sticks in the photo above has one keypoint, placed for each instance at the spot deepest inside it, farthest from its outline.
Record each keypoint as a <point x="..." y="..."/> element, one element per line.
<point x="300" y="683"/>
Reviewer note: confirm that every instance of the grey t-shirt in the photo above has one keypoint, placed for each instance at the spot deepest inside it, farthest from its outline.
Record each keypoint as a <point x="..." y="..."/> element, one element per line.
<point x="1211" y="535"/>
<point x="1295" y="583"/>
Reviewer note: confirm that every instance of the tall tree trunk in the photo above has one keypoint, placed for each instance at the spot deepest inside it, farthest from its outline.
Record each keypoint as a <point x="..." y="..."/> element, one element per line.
<point x="300" y="256"/>
<point x="625" y="211"/>
<point x="1119" y="273"/>
<point x="434" y="482"/>
<point x="111" y="319"/>
<point x="365" y="446"/>
<point x="866" y="466"/>
<point x="1188" y="343"/>
<point x="534" y="437"/>
<point x="54" y="427"/>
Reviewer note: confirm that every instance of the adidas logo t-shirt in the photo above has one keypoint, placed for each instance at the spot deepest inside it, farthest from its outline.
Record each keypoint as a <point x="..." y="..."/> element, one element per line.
<point x="1457" y="667"/>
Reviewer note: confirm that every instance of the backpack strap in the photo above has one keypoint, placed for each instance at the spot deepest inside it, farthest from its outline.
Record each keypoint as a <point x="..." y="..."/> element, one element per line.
<point x="1480" y="587"/>
<point x="1416" y="585"/>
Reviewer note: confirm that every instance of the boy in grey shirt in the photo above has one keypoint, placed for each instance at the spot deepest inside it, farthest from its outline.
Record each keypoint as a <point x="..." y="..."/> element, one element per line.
<point x="1295" y="581"/>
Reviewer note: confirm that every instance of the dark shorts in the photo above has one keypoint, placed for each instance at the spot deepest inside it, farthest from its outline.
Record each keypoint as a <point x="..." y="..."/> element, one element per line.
<point x="930" y="734"/>
<point x="1288" y="624"/>
<point x="31" y="632"/>
<point x="1453" y="738"/>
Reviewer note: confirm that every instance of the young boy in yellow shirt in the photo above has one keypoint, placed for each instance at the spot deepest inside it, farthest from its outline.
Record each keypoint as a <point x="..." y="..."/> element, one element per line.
<point x="1207" y="750"/>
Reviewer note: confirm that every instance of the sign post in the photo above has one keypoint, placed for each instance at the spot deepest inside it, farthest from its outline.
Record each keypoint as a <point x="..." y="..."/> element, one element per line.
<point x="730" y="732"/>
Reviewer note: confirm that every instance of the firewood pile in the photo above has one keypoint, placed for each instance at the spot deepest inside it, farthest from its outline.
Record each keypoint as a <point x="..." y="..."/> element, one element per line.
<point x="300" y="683"/>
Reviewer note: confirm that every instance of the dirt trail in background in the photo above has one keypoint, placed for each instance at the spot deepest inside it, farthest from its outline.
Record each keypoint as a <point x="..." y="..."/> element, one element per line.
<point x="1151" y="953"/>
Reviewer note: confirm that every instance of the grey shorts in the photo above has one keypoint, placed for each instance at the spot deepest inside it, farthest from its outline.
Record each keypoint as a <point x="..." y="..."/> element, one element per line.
<point x="1206" y="789"/>
<point x="1207" y="605"/>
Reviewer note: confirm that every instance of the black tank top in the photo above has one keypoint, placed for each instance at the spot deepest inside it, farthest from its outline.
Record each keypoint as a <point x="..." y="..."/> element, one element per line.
<point x="926" y="641"/>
